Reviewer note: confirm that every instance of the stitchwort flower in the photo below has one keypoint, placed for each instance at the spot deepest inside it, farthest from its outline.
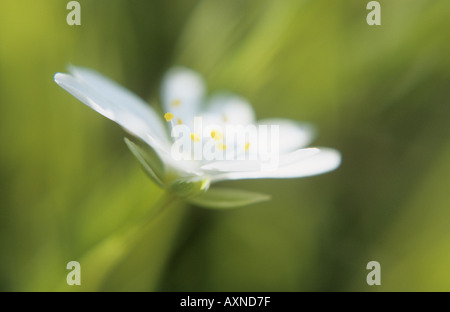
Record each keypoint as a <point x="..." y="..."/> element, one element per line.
<point x="199" y="141"/>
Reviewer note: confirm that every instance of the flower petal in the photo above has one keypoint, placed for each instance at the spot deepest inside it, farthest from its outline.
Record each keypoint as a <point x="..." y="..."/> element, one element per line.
<point x="227" y="108"/>
<point x="324" y="160"/>
<point x="292" y="135"/>
<point x="232" y="166"/>
<point x="256" y="165"/>
<point x="116" y="103"/>
<point x="182" y="94"/>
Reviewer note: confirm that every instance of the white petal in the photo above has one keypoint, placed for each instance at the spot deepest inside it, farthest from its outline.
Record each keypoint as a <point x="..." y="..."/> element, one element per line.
<point x="232" y="166"/>
<point x="249" y="165"/>
<point x="121" y="97"/>
<point x="116" y="103"/>
<point x="182" y="94"/>
<point x="224" y="108"/>
<point x="292" y="135"/>
<point x="299" y="155"/>
<point x="319" y="162"/>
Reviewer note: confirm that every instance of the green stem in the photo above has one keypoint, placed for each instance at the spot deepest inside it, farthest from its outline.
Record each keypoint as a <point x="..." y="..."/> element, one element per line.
<point x="98" y="263"/>
<point x="163" y="203"/>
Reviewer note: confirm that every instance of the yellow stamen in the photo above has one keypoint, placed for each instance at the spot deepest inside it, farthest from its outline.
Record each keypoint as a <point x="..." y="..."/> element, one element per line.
<point x="221" y="146"/>
<point x="216" y="135"/>
<point x="224" y="118"/>
<point x="176" y="103"/>
<point x="168" y="116"/>
<point x="179" y="121"/>
<point x="247" y="146"/>
<point x="195" y="137"/>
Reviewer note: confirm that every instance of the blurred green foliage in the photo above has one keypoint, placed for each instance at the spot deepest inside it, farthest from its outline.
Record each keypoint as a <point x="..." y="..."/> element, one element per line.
<point x="70" y="189"/>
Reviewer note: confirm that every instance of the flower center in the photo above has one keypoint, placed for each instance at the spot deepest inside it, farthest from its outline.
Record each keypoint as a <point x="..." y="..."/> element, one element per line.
<point x="216" y="135"/>
<point x="221" y="146"/>
<point x="195" y="137"/>
<point x="168" y="116"/>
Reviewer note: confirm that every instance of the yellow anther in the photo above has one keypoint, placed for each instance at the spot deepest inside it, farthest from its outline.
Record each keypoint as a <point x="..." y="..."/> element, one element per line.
<point x="221" y="146"/>
<point x="247" y="146"/>
<point x="176" y="103"/>
<point x="168" y="116"/>
<point x="195" y="137"/>
<point x="179" y="121"/>
<point x="216" y="135"/>
<point x="224" y="118"/>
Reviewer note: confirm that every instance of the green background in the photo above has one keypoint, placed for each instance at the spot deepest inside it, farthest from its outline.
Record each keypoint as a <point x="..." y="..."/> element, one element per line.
<point x="71" y="190"/>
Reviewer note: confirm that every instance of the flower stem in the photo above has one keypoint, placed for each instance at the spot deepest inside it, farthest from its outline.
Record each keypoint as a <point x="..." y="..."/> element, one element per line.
<point x="162" y="204"/>
<point x="99" y="262"/>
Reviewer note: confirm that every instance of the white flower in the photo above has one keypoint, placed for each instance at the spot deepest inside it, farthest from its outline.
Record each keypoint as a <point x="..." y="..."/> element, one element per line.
<point x="183" y="98"/>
